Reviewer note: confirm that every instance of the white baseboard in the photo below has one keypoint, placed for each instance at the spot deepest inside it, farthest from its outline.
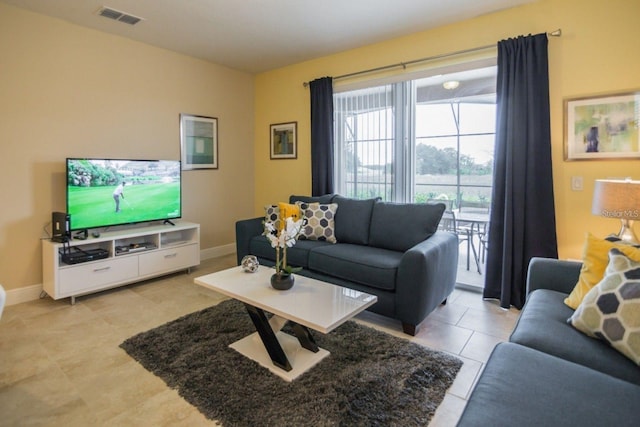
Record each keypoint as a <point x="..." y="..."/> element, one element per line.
<point x="218" y="251"/>
<point x="31" y="293"/>
<point x="28" y="293"/>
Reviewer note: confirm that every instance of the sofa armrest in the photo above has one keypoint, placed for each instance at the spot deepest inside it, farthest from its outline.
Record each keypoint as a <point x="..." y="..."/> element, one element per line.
<point x="553" y="274"/>
<point x="246" y="229"/>
<point x="426" y="276"/>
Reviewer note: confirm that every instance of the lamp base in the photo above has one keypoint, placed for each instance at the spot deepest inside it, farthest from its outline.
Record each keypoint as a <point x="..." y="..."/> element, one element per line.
<point x="626" y="232"/>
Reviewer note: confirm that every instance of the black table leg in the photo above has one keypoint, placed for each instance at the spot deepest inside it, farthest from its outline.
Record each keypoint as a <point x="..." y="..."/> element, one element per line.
<point x="304" y="337"/>
<point x="268" y="337"/>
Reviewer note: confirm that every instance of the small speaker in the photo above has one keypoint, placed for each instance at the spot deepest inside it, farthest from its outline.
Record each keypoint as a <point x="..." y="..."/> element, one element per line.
<point x="60" y="227"/>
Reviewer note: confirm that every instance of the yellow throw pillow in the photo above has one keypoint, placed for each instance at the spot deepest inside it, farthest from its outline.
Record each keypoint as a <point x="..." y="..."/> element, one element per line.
<point x="288" y="210"/>
<point x="277" y="214"/>
<point x="595" y="257"/>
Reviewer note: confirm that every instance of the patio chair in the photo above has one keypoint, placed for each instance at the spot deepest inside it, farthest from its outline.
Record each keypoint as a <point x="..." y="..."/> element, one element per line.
<point x="449" y="223"/>
<point x="484" y="242"/>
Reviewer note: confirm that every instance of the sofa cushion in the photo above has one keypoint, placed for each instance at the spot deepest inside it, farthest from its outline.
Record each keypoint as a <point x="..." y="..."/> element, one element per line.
<point x="398" y="226"/>
<point x="374" y="267"/>
<point x="319" y="221"/>
<point x="326" y="198"/>
<point x="611" y="310"/>
<point x="543" y="326"/>
<point x="595" y="257"/>
<point x="524" y="387"/>
<point x="297" y="255"/>
<point x="353" y="219"/>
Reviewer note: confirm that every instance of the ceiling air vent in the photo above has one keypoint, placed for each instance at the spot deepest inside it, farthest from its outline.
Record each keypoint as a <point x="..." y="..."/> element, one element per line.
<point x="116" y="15"/>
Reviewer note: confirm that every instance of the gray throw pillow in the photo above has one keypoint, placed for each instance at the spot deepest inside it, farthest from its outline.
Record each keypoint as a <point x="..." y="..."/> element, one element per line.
<point x="399" y="227"/>
<point x="353" y="219"/>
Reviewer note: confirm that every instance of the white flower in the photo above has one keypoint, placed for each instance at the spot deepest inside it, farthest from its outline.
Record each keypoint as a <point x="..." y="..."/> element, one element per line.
<point x="283" y="239"/>
<point x="269" y="226"/>
<point x="273" y="240"/>
<point x="286" y="237"/>
<point x="291" y="231"/>
<point x="270" y="233"/>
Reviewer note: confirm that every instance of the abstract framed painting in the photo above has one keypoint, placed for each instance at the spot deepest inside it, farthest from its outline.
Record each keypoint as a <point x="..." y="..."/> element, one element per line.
<point x="602" y="127"/>
<point x="198" y="142"/>
<point x="284" y="141"/>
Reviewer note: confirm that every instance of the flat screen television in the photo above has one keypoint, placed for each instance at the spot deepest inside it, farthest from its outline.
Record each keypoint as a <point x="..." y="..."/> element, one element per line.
<point x="110" y="192"/>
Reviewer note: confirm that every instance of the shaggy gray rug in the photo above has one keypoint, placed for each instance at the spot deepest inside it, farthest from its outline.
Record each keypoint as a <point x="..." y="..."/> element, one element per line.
<point x="370" y="378"/>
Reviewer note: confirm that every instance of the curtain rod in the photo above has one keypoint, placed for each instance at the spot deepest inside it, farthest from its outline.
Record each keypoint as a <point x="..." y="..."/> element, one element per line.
<point x="556" y="33"/>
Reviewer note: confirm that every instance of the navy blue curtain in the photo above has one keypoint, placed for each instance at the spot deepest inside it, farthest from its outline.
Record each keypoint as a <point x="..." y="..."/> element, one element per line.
<point x="321" y="91"/>
<point x="522" y="208"/>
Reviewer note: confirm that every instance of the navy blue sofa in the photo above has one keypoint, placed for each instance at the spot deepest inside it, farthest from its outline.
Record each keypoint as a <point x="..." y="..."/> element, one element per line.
<point x="393" y="251"/>
<point x="549" y="373"/>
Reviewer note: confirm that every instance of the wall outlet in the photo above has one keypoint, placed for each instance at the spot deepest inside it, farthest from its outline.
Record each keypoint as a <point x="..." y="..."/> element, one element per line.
<point x="576" y="183"/>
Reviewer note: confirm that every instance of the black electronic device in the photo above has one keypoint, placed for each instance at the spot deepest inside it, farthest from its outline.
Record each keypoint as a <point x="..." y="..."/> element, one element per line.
<point x="76" y="256"/>
<point x="60" y="227"/>
<point x="135" y="247"/>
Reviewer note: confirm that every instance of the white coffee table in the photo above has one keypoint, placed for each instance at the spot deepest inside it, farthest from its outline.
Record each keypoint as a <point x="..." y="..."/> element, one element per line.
<point x="310" y="304"/>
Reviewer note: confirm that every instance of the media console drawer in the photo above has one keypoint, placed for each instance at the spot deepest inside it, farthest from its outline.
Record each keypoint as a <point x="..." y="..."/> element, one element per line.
<point x="169" y="259"/>
<point x="97" y="274"/>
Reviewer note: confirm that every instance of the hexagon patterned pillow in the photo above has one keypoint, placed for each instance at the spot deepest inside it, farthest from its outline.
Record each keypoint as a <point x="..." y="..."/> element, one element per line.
<point x="610" y="311"/>
<point x="319" y="221"/>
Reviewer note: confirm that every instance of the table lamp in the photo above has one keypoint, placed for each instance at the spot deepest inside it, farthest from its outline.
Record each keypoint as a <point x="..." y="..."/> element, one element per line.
<point x="618" y="199"/>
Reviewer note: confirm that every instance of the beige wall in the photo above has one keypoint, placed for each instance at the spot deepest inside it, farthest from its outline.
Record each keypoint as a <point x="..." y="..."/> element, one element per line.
<point x="67" y="91"/>
<point x="597" y="53"/>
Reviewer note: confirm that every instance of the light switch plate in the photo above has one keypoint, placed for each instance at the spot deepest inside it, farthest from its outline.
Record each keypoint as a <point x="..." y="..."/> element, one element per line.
<point x="576" y="183"/>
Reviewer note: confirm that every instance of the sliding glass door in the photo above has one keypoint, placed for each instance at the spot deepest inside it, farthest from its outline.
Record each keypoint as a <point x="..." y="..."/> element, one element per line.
<point x="454" y="151"/>
<point x="420" y="139"/>
<point x="365" y="127"/>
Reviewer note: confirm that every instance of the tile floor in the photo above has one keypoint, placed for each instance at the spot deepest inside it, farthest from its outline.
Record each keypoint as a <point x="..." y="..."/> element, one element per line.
<point x="60" y="365"/>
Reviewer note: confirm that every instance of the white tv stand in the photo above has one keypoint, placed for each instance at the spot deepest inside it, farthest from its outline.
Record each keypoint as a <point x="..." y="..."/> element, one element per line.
<point x="133" y="254"/>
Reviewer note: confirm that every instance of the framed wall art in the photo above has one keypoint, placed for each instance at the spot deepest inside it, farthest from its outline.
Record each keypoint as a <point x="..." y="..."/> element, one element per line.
<point x="284" y="140"/>
<point x="198" y="142"/>
<point x="602" y="127"/>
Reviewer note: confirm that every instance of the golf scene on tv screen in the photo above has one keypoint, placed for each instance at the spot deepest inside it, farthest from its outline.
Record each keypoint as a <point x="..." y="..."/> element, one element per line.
<point x="108" y="192"/>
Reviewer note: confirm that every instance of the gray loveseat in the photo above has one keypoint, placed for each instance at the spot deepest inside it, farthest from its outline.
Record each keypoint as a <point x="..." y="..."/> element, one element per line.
<point x="393" y="251"/>
<point x="550" y="374"/>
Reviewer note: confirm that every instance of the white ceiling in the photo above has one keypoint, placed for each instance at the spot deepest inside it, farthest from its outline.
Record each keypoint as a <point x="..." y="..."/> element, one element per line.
<point x="260" y="35"/>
